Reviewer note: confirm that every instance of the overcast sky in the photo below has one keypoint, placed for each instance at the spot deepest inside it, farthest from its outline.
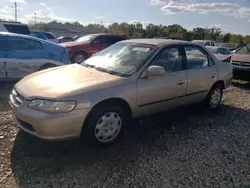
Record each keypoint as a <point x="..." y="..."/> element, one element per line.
<point x="231" y="15"/>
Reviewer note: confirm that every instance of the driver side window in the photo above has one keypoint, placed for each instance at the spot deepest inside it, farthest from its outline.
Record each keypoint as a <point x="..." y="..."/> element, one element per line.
<point x="100" y="40"/>
<point x="170" y="59"/>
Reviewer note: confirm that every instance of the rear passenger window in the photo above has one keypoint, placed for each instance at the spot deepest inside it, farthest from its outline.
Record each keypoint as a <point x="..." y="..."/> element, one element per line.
<point x="20" y="29"/>
<point x="100" y="40"/>
<point x="197" y="58"/>
<point x="18" y="43"/>
<point x="170" y="59"/>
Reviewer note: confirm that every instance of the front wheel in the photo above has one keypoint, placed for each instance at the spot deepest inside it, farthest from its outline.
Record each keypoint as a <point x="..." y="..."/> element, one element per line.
<point x="214" y="97"/>
<point x="79" y="57"/>
<point x="104" y="125"/>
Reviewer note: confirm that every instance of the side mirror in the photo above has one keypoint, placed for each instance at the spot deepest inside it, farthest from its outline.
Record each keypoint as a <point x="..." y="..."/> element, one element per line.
<point x="155" y="70"/>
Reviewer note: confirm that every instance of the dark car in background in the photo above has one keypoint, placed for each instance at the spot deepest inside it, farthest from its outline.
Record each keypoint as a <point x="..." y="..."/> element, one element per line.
<point x="241" y="63"/>
<point x="87" y="45"/>
<point x="45" y="36"/>
<point x="223" y="54"/>
<point x="65" y="39"/>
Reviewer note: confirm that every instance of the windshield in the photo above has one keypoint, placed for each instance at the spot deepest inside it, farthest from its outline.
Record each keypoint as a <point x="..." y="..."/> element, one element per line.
<point x="244" y="50"/>
<point x="121" y="59"/>
<point x="85" y="39"/>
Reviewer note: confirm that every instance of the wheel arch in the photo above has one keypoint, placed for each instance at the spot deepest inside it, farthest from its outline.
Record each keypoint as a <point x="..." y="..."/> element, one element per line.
<point x="110" y="101"/>
<point x="47" y="64"/>
<point x="219" y="82"/>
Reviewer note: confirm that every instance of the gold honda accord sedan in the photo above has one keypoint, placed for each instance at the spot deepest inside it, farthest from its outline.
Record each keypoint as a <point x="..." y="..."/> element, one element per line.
<point x="130" y="79"/>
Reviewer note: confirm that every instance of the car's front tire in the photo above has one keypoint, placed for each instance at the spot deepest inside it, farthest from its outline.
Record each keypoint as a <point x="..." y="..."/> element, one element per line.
<point x="214" y="97"/>
<point x="104" y="125"/>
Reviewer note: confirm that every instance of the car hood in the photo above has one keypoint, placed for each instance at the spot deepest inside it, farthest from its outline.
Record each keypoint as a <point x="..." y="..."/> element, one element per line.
<point x="222" y="57"/>
<point x="71" y="44"/>
<point x="63" y="81"/>
<point x="241" y="58"/>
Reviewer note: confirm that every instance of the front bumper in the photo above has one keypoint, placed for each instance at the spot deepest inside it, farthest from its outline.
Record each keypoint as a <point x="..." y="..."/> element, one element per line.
<point x="241" y="72"/>
<point x="48" y="126"/>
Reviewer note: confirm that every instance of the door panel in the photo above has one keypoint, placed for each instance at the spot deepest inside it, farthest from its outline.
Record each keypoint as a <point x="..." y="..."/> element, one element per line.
<point x="159" y="93"/>
<point x="156" y="94"/>
<point x="25" y="56"/>
<point x="201" y="73"/>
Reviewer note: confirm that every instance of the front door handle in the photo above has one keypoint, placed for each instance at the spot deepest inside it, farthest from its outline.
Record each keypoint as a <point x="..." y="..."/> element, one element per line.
<point x="212" y="77"/>
<point x="180" y="83"/>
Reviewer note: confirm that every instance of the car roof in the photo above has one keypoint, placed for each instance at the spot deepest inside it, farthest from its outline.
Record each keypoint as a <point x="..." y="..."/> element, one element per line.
<point x="158" y="42"/>
<point x="105" y="34"/>
<point x="27" y="37"/>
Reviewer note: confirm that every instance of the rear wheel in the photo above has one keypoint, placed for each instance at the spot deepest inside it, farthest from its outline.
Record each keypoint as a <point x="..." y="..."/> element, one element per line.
<point x="46" y="66"/>
<point x="79" y="57"/>
<point x="214" y="97"/>
<point x="104" y="125"/>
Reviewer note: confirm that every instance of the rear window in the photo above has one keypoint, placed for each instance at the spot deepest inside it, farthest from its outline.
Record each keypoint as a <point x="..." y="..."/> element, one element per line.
<point x="49" y="36"/>
<point x="19" y="29"/>
<point x="18" y="43"/>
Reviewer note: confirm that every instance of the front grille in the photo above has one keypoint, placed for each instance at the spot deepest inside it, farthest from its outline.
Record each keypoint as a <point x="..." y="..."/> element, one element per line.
<point x="243" y="64"/>
<point x="17" y="98"/>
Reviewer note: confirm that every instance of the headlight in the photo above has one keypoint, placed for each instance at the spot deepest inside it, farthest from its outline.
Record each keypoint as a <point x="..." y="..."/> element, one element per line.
<point x="53" y="107"/>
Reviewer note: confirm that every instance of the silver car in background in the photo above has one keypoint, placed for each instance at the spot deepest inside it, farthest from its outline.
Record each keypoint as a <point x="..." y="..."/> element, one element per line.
<point x="130" y="79"/>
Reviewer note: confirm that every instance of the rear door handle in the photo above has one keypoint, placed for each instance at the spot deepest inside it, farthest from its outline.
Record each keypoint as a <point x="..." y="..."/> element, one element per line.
<point x="180" y="83"/>
<point x="212" y="76"/>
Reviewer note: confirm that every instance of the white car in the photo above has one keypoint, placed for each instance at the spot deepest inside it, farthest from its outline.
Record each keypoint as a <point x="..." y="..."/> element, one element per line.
<point x="14" y="27"/>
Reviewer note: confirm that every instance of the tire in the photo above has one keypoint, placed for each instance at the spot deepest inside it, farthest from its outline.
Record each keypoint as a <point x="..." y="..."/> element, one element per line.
<point x="79" y="57"/>
<point x="104" y="125"/>
<point x="46" y="66"/>
<point x="214" y="97"/>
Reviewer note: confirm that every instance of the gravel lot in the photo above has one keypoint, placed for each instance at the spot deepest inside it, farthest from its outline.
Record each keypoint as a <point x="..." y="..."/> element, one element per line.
<point x="189" y="148"/>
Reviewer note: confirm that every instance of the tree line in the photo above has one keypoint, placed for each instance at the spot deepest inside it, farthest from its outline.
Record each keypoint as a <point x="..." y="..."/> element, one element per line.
<point x="150" y="31"/>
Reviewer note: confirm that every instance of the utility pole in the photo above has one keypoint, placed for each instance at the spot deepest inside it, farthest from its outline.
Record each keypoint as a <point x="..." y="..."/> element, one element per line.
<point x="35" y="19"/>
<point x="15" y="6"/>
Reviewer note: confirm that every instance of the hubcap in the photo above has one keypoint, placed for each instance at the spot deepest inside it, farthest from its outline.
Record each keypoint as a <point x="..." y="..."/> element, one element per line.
<point x="215" y="98"/>
<point x="79" y="58"/>
<point x="108" y="127"/>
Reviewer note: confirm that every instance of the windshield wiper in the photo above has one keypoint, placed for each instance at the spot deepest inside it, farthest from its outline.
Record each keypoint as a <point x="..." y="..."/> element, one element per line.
<point x="110" y="72"/>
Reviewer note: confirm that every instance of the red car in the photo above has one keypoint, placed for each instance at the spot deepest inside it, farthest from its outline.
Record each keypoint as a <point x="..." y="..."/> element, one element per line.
<point x="82" y="48"/>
